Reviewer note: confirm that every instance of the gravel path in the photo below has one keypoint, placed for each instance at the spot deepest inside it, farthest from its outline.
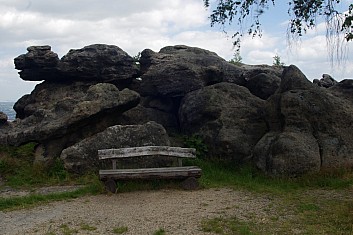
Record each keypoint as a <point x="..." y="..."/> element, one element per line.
<point x="175" y="211"/>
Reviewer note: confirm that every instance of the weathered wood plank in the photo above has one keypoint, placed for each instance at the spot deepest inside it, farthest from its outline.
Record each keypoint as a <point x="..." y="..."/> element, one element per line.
<point x="146" y="151"/>
<point x="151" y="173"/>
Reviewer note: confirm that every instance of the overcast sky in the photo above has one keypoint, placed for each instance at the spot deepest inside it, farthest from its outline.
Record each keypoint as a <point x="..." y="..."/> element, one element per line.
<point x="135" y="25"/>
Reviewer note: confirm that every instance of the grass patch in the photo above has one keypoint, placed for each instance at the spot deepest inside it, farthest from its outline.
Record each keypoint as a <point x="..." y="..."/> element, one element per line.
<point x="217" y="174"/>
<point x="226" y="226"/>
<point x="88" y="227"/>
<point x="66" y="230"/>
<point x="18" y="169"/>
<point x="159" y="232"/>
<point x="294" y="216"/>
<point x="38" y="199"/>
<point x="120" y="230"/>
<point x="308" y="207"/>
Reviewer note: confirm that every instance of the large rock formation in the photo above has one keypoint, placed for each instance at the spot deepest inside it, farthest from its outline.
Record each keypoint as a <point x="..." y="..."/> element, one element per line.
<point x="75" y="100"/>
<point x="310" y="129"/>
<point x="40" y="63"/>
<point x="98" y="63"/>
<point x="59" y="115"/>
<point x="89" y="99"/>
<point x="227" y="116"/>
<point x="177" y="70"/>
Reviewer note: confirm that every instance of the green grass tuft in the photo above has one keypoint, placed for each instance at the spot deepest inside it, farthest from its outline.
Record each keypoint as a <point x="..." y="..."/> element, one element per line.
<point x="159" y="232"/>
<point x="88" y="227"/>
<point x="226" y="226"/>
<point x="66" y="230"/>
<point x="120" y="230"/>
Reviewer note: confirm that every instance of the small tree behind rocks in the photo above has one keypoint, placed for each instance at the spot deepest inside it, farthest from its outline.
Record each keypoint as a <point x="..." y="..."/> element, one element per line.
<point x="277" y="61"/>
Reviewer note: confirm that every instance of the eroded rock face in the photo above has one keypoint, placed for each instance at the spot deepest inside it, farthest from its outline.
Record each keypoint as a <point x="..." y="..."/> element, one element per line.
<point x="40" y="63"/>
<point x="141" y="114"/>
<point x="176" y="70"/>
<point x="343" y="90"/>
<point x="310" y="129"/>
<point x="82" y="156"/>
<point x="58" y="115"/>
<point x="326" y="81"/>
<point x="98" y="62"/>
<point x="288" y="153"/>
<point x="227" y="116"/>
<point x="263" y="85"/>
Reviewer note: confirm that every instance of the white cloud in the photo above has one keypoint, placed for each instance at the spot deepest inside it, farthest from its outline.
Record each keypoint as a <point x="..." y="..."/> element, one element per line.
<point x="260" y="57"/>
<point x="210" y="40"/>
<point x="135" y="25"/>
<point x="6" y="63"/>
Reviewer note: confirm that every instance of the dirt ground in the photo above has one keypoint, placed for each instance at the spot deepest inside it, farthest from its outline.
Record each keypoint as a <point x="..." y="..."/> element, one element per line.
<point x="145" y="212"/>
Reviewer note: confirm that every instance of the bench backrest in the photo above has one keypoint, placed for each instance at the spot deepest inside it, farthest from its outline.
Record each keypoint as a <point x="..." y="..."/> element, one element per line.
<point x="146" y="151"/>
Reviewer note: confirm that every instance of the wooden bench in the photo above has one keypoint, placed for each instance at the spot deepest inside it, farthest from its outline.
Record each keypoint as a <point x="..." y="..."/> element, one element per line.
<point x="188" y="173"/>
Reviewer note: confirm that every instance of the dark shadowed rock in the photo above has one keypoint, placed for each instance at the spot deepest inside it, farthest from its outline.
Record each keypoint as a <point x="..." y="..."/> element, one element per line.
<point x="21" y="104"/>
<point x="98" y="62"/>
<point x="83" y="156"/>
<point x="249" y="71"/>
<point x="177" y="70"/>
<point x="344" y="90"/>
<point x="263" y="85"/>
<point x="141" y="115"/>
<point x="59" y="115"/>
<point x="40" y="63"/>
<point x="310" y="129"/>
<point x="294" y="79"/>
<point x="3" y="118"/>
<point x="163" y="111"/>
<point x="288" y="153"/>
<point x="227" y="116"/>
<point x="261" y="80"/>
<point x="326" y="81"/>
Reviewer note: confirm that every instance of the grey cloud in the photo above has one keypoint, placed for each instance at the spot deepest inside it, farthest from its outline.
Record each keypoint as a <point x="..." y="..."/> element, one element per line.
<point x="85" y="9"/>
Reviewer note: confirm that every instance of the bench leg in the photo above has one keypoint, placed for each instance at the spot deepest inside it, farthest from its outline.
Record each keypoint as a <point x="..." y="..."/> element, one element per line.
<point x="190" y="183"/>
<point x="110" y="185"/>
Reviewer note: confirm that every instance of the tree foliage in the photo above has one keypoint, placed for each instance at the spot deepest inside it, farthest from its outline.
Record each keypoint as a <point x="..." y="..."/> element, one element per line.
<point x="348" y="24"/>
<point x="277" y="61"/>
<point x="304" y="15"/>
<point x="237" y="59"/>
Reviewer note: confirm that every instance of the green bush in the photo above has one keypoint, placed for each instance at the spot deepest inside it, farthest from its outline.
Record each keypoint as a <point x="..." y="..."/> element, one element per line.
<point x="196" y="142"/>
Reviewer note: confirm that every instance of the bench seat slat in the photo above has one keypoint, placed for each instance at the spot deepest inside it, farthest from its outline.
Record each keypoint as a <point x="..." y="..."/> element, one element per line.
<point x="148" y="173"/>
<point x="146" y="151"/>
